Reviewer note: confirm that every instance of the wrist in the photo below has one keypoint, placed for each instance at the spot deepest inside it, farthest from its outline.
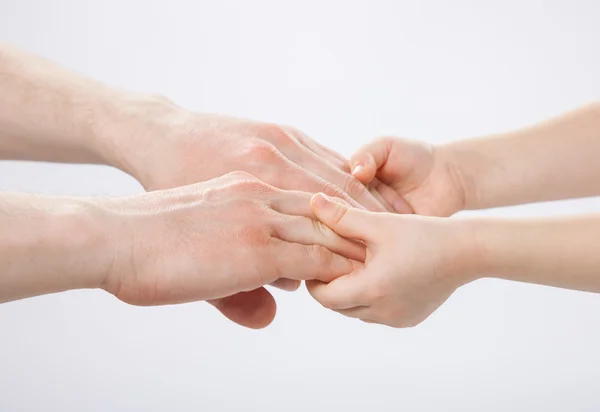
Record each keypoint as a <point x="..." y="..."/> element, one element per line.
<point x="468" y="167"/>
<point x="86" y="242"/>
<point x="125" y="127"/>
<point x="488" y="240"/>
<point x="469" y="252"/>
<point x="51" y="245"/>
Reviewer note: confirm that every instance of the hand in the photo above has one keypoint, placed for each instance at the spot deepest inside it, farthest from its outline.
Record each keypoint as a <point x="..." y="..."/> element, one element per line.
<point x="426" y="176"/>
<point x="180" y="148"/>
<point x="218" y="238"/>
<point x="171" y="147"/>
<point x="413" y="264"/>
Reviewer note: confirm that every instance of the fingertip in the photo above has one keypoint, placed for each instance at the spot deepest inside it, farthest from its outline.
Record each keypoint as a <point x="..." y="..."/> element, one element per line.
<point x="288" y="285"/>
<point x="319" y="204"/>
<point x="255" y="309"/>
<point x="319" y="201"/>
<point x="364" y="168"/>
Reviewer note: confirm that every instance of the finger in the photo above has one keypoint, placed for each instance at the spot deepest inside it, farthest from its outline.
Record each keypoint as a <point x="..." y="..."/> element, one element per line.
<point x="343" y="293"/>
<point x="254" y="309"/>
<point x="310" y="231"/>
<point x="287" y="175"/>
<point x="346" y="221"/>
<point x="321" y="167"/>
<point x="382" y="192"/>
<point x="386" y="195"/>
<point x="369" y="158"/>
<point x="294" y="203"/>
<point x="289" y="285"/>
<point x="392" y="197"/>
<point x="303" y="262"/>
<point x="316" y="147"/>
<point x="305" y="231"/>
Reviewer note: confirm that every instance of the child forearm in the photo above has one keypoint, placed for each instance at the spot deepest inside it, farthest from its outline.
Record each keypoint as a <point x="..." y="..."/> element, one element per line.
<point x="556" y="159"/>
<point x="562" y="252"/>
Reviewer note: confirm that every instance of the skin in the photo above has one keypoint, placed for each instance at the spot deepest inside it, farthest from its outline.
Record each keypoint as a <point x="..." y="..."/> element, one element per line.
<point x="170" y="246"/>
<point x="414" y="263"/>
<point x="50" y="114"/>
<point x="553" y="160"/>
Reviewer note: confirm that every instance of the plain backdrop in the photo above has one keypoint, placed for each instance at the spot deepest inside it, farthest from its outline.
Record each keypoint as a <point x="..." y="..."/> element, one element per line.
<point x="344" y="72"/>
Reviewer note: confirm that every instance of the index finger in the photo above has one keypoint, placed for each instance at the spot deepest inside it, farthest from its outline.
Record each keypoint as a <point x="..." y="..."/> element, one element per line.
<point x="305" y="262"/>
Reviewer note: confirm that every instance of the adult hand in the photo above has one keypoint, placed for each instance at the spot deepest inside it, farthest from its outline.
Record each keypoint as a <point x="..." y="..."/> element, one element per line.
<point x="218" y="238"/>
<point x="165" y="146"/>
<point x="175" y="147"/>
<point x="426" y="176"/>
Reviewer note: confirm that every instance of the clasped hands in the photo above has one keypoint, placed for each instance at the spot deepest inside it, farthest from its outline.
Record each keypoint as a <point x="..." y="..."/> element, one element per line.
<point x="250" y="220"/>
<point x="233" y="205"/>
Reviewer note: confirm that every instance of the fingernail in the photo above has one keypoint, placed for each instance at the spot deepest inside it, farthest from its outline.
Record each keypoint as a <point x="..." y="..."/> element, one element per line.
<point x="321" y="200"/>
<point x="356" y="169"/>
<point x="401" y="206"/>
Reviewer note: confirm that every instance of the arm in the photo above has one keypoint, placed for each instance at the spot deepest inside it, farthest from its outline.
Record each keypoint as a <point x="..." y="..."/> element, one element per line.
<point x="50" y="245"/>
<point x="562" y="252"/>
<point x="415" y="263"/>
<point x="48" y="113"/>
<point x="556" y="159"/>
<point x="170" y="246"/>
<point x="553" y="160"/>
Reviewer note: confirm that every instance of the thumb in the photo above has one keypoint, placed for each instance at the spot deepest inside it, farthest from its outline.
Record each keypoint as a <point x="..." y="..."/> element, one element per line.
<point x="370" y="158"/>
<point x="345" y="221"/>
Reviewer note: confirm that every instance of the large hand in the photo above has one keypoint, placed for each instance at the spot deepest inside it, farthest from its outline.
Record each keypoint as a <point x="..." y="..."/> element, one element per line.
<point x="426" y="176"/>
<point x="171" y="147"/>
<point x="413" y="264"/>
<point x="217" y="238"/>
<point x="182" y="148"/>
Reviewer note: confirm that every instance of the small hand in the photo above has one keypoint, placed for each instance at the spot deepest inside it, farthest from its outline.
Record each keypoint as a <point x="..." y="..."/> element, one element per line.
<point x="413" y="264"/>
<point x="219" y="238"/>
<point x="426" y="176"/>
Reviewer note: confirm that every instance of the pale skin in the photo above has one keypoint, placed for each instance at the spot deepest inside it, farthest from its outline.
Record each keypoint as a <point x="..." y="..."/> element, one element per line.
<point x="173" y="246"/>
<point x="48" y="113"/>
<point x="414" y="263"/>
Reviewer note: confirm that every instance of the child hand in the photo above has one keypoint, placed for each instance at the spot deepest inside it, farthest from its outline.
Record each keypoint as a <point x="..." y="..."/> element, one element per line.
<point x="413" y="264"/>
<point x="426" y="176"/>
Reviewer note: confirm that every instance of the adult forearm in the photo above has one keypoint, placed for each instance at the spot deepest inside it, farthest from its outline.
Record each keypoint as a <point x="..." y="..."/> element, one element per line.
<point x="48" y="113"/>
<point x="553" y="160"/>
<point x="49" y="245"/>
<point x="560" y="252"/>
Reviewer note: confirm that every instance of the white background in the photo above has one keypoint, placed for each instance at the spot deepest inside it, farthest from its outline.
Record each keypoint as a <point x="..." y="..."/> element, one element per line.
<point x="344" y="72"/>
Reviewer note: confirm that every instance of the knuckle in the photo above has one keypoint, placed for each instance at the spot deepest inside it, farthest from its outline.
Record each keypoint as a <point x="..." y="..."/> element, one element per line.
<point x="332" y="190"/>
<point x="261" y="151"/>
<point x="319" y="255"/>
<point x="239" y="175"/>
<point x="279" y="134"/>
<point x="319" y="227"/>
<point x="340" y="211"/>
<point x="354" y="187"/>
<point x="250" y="185"/>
